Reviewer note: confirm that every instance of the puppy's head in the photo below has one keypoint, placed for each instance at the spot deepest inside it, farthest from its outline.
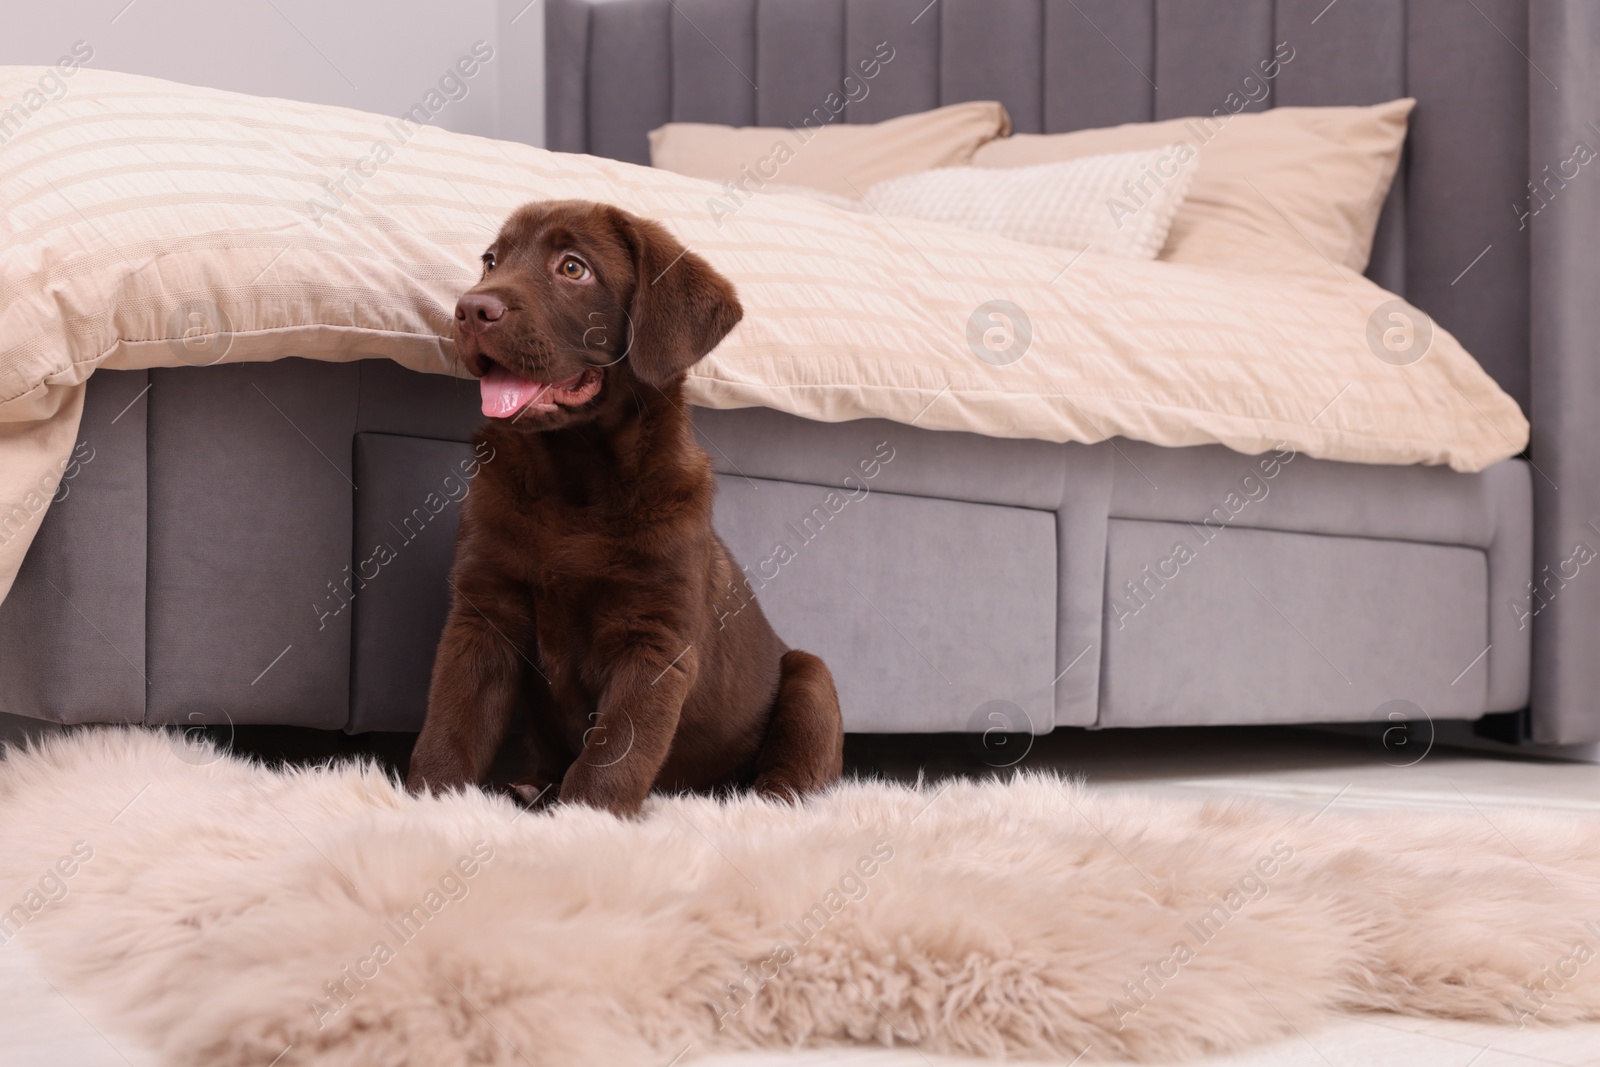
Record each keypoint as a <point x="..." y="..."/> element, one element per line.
<point x="580" y="306"/>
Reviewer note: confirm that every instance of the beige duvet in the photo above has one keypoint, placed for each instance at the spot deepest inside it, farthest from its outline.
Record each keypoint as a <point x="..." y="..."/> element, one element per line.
<point x="144" y="223"/>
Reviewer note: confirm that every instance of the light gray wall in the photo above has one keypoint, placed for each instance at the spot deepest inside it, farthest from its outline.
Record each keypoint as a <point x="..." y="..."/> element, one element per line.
<point x="376" y="55"/>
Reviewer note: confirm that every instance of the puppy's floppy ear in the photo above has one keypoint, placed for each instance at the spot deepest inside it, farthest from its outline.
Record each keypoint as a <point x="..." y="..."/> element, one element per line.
<point x="681" y="309"/>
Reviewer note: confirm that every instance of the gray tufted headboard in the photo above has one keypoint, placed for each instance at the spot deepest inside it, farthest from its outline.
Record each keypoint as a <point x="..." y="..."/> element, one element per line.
<point x="1505" y="89"/>
<point x="618" y="68"/>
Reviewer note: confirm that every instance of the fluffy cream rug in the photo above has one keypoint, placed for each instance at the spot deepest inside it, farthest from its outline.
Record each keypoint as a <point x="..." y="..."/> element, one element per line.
<point x="230" y="914"/>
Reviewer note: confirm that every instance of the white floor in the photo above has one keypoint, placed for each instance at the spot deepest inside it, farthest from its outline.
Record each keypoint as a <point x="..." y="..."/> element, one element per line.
<point x="40" y="1028"/>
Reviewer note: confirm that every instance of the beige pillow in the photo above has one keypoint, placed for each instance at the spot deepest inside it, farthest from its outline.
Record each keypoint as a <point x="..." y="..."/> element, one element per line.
<point x="1294" y="188"/>
<point x="837" y="157"/>
<point x="1119" y="204"/>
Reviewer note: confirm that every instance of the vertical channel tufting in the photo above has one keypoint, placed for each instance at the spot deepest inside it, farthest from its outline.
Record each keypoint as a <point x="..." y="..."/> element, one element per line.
<point x="1352" y="52"/>
<point x="910" y="81"/>
<point x="799" y="56"/>
<point x="1099" y="67"/>
<point x="1466" y="166"/>
<point x="630" y="76"/>
<point x="988" y="50"/>
<point x="714" y="61"/>
<point x="1469" y="166"/>
<point x="566" y="67"/>
<point x="1204" y="52"/>
<point x="1387" y="264"/>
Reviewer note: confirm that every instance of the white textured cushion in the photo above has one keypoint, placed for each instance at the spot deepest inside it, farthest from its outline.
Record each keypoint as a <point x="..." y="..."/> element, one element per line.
<point x="1118" y="204"/>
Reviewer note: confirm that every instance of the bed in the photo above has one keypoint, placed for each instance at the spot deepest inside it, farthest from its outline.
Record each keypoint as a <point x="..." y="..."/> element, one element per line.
<point x="190" y="571"/>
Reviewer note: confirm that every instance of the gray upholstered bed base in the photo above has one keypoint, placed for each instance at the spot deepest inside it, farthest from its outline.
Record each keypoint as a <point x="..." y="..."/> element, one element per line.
<point x="202" y="565"/>
<point x="1124" y="584"/>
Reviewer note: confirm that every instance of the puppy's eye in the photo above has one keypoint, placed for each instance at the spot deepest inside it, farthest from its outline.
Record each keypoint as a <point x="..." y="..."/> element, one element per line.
<point x="488" y="262"/>
<point x="572" y="268"/>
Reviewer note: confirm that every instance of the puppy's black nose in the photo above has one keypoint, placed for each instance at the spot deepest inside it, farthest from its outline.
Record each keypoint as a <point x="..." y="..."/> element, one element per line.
<point x="478" y="311"/>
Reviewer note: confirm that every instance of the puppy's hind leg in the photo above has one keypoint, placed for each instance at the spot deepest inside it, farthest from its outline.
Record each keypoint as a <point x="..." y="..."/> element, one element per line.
<point x="804" y="747"/>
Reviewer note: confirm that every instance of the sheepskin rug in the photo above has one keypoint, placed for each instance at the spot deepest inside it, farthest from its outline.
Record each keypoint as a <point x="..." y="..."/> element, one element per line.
<point x="231" y="914"/>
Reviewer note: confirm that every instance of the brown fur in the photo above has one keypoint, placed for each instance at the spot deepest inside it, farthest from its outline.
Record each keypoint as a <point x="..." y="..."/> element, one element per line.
<point x="589" y="588"/>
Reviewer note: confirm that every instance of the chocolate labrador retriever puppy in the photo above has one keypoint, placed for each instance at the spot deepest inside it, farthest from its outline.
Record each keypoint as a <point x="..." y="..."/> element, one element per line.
<point x="589" y="588"/>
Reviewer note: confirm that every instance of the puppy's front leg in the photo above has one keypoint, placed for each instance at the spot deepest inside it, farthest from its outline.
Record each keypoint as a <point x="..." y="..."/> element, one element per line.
<point x="624" y="750"/>
<point x="474" y="689"/>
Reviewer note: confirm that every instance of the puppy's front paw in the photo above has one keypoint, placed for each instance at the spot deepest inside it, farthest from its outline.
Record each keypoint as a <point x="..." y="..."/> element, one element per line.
<point x="621" y="797"/>
<point x="532" y="793"/>
<point x="434" y="776"/>
<point x="788" y="785"/>
<point x="418" y="784"/>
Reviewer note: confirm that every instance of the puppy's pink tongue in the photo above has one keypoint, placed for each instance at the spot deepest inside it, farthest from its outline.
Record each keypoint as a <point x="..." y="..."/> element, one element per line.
<point x="505" y="394"/>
